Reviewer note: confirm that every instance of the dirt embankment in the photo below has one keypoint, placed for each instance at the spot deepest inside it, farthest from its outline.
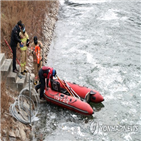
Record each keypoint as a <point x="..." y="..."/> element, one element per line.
<point x="37" y="16"/>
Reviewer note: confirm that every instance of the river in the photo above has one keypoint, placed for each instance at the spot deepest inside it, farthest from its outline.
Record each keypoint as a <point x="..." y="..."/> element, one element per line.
<point x="97" y="44"/>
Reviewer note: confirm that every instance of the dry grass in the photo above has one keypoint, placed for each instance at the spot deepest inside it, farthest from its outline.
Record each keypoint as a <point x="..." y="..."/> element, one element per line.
<point x="30" y="12"/>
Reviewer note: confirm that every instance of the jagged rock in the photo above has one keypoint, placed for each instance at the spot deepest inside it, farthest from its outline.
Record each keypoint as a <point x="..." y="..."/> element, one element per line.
<point x="17" y="133"/>
<point x="11" y="133"/>
<point x="22" y="133"/>
<point x="4" y="132"/>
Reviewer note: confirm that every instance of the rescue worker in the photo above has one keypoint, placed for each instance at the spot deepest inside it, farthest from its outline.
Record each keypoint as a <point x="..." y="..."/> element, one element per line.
<point x="44" y="72"/>
<point x="37" y="62"/>
<point x="25" y="40"/>
<point x="13" y="43"/>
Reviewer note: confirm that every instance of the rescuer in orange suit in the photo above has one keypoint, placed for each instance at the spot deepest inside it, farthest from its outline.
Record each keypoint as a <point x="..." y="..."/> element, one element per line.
<point x="36" y="48"/>
<point x="44" y="72"/>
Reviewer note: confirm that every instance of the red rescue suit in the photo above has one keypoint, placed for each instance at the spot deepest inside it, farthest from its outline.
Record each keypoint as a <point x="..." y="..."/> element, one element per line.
<point x="44" y="72"/>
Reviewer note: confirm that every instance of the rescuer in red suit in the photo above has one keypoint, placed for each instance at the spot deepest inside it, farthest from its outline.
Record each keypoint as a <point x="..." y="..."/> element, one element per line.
<point x="44" y="72"/>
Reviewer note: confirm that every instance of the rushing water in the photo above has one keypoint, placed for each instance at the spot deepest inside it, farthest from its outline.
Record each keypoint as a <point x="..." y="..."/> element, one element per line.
<point x="97" y="44"/>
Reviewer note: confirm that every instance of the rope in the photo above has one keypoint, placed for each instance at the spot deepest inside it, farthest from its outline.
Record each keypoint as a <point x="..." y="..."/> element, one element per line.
<point x="20" y="109"/>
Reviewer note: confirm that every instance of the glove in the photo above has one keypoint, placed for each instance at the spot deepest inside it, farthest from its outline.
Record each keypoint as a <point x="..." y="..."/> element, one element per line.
<point x="55" y="75"/>
<point x="33" y="52"/>
<point x="38" y="65"/>
<point x="27" y="42"/>
<point x="21" y="44"/>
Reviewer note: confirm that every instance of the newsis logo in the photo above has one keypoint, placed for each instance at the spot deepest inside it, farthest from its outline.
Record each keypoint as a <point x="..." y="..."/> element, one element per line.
<point x="96" y="128"/>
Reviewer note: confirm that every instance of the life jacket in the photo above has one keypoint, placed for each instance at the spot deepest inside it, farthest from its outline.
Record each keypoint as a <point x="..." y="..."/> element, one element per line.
<point x="37" y="51"/>
<point x="47" y="71"/>
<point x="24" y="38"/>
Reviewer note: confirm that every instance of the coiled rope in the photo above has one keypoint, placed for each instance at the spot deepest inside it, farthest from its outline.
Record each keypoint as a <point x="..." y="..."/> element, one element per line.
<point x="20" y="109"/>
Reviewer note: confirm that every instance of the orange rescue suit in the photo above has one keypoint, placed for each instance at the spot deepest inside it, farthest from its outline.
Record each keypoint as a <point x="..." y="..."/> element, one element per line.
<point x="38" y="55"/>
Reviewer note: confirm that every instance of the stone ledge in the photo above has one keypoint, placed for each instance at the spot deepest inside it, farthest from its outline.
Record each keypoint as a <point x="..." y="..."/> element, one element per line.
<point x="2" y="57"/>
<point x="6" y="65"/>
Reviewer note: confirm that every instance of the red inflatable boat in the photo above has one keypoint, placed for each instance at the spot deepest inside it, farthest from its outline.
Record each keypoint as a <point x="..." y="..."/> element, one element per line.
<point x="59" y="94"/>
<point x="68" y="102"/>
